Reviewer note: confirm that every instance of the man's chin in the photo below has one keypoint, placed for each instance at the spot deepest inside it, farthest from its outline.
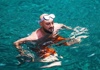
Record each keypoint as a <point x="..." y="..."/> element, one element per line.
<point x="50" y="32"/>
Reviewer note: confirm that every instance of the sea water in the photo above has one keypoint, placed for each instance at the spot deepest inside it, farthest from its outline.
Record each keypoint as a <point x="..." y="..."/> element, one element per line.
<point x="18" y="18"/>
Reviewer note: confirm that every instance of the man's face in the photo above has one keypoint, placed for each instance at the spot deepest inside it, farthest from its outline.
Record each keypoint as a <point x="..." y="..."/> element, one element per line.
<point x="48" y="25"/>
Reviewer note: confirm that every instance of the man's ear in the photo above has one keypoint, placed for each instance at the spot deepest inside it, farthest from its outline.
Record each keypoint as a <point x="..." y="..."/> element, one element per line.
<point x="41" y="24"/>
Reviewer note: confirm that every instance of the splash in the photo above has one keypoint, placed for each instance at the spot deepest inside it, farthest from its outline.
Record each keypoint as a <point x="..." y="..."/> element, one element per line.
<point x="91" y="55"/>
<point x="79" y="31"/>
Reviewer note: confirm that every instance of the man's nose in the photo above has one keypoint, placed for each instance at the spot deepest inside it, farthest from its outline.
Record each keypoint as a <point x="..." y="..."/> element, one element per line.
<point x="51" y="25"/>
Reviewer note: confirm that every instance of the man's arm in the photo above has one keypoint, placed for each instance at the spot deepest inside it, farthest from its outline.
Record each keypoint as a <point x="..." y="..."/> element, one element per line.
<point x="23" y="40"/>
<point x="61" y="25"/>
<point x="18" y="43"/>
<point x="67" y="27"/>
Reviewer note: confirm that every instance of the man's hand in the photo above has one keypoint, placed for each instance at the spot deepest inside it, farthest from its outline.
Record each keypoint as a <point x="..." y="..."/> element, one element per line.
<point x="21" y="51"/>
<point x="19" y="48"/>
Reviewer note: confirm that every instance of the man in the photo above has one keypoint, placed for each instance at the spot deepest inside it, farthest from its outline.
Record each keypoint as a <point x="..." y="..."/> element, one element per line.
<point x="44" y="36"/>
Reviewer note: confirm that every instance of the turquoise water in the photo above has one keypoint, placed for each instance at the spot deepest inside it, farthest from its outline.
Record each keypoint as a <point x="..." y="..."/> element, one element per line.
<point x="18" y="18"/>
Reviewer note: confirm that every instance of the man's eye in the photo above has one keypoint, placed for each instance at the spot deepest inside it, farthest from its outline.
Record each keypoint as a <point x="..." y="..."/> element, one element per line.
<point x="47" y="23"/>
<point x="52" y="22"/>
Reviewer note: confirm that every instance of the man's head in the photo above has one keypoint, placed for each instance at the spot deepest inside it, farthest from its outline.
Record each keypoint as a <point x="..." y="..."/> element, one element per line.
<point x="46" y="22"/>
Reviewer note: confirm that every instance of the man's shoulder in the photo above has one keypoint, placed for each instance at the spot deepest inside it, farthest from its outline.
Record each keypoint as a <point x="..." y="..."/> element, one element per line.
<point x="33" y="35"/>
<point x="58" y="24"/>
<point x="34" y="32"/>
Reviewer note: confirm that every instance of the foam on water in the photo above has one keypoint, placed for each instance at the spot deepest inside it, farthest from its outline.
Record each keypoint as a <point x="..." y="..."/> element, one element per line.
<point x="79" y="31"/>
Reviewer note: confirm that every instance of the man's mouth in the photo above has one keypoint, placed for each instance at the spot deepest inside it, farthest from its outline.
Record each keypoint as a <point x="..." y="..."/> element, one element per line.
<point x="51" y="29"/>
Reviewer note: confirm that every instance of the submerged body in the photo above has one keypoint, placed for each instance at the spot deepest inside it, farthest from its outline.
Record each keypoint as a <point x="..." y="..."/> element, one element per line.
<point x="44" y="51"/>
